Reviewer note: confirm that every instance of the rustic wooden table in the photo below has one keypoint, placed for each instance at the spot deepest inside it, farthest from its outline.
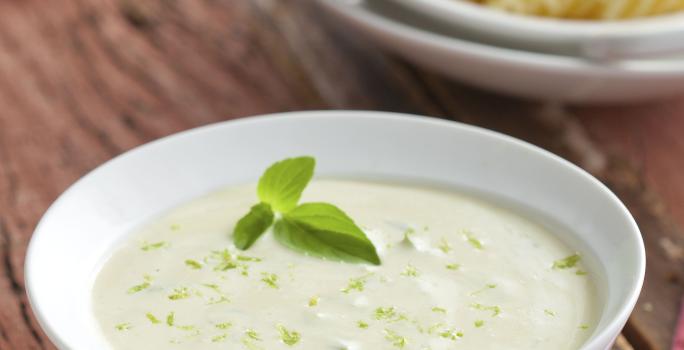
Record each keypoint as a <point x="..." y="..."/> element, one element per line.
<point x="83" y="80"/>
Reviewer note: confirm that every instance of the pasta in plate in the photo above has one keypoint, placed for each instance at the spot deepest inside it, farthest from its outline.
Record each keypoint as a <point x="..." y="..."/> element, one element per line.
<point x="587" y="9"/>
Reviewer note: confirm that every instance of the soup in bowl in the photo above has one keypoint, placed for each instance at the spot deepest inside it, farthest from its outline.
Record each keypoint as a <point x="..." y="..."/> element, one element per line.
<point x="335" y="230"/>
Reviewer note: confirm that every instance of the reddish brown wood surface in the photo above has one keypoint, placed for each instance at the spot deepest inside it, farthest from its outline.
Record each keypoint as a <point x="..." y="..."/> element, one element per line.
<point x="83" y="80"/>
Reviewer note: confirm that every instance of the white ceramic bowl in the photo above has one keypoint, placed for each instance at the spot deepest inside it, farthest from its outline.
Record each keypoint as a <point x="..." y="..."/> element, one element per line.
<point x="520" y="73"/>
<point x="594" y="39"/>
<point x="81" y="228"/>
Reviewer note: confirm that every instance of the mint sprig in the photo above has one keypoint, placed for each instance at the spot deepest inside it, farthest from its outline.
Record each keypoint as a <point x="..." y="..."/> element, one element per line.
<point x="253" y="225"/>
<point x="316" y="229"/>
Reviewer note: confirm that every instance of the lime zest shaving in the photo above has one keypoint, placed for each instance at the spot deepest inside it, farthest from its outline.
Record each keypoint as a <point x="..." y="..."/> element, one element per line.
<point x="451" y="334"/>
<point x="567" y="262"/>
<point x="356" y="284"/>
<point x="224" y="325"/>
<point x="152" y="318"/>
<point x="410" y="271"/>
<point x="476" y="243"/>
<point x="453" y="266"/>
<point x="479" y="323"/>
<point x="408" y="233"/>
<point x="252" y="334"/>
<point x="219" y="338"/>
<point x="444" y="245"/>
<point x="249" y="258"/>
<point x="389" y="314"/>
<point x="485" y="288"/>
<point x="394" y="338"/>
<point x="146" y="247"/>
<point x="288" y="337"/>
<point x="179" y="293"/>
<point x="549" y="312"/>
<point x="123" y="326"/>
<point x="493" y="308"/>
<point x="170" y="318"/>
<point x="270" y="279"/>
<point x="147" y="279"/>
<point x="193" y="264"/>
<point x="362" y="324"/>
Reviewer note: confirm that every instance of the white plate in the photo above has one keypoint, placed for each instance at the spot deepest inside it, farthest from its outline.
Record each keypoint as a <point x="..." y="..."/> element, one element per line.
<point x="595" y="39"/>
<point x="81" y="228"/>
<point x="521" y="73"/>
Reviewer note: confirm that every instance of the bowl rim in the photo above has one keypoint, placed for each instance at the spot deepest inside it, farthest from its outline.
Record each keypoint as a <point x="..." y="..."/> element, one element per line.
<point x="600" y="335"/>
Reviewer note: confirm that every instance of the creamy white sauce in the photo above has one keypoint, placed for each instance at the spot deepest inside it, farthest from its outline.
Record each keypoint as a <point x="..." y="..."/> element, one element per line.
<point x="435" y="290"/>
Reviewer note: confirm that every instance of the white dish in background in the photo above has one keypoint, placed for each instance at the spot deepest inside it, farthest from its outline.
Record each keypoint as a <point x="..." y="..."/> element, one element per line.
<point x="611" y="40"/>
<point x="80" y="229"/>
<point x="520" y="73"/>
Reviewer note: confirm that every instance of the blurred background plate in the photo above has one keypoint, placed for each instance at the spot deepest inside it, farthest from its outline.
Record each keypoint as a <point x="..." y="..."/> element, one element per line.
<point x="521" y="73"/>
<point x="596" y="39"/>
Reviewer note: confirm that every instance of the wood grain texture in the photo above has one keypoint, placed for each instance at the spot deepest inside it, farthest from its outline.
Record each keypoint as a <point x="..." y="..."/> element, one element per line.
<point x="83" y="80"/>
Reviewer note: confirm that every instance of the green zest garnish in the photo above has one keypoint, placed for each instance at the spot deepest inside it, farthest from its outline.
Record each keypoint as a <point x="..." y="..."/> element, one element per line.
<point x="356" y="284"/>
<point x="409" y="232"/>
<point x="222" y="298"/>
<point x="252" y="334"/>
<point x="152" y="319"/>
<point x="486" y="287"/>
<point x="219" y="338"/>
<point x="249" y="258"/>
<point x="187" y="328"/>
<point x="584" y="327"/>
<point x="451" y="334"/>
<point x="479" y="323"/>
<point x="394" y="338"/>
<point x="439" y="309"/>
<point x="384" y="313"/>
<point x="287" y="336"/>
<point x="444" y="246"/>
<point x="313" y="301"/>
<point x="494" y="309"/>
<point x="170" y="318"/>
<point x="142" y="286"/>
<point x="549" y="312"/>
<point x="388" y="314"/>
<point x="123" y="326"/>
<point x="410" y="271"/>
<point x="224" y="325"/>
<point x="225" y="259"/>
<point x="567" y="263"/>
<point x="270" y="279"/>
<point x="453" y="266"/>
<point x="316" y="229"/>
<point x="152" y="246"/>
<point x="180" y="293"/>
<point x="362" y="325"/>
<point x="193" y="264"/>
<point x="473" y="240"/>
<point x="580" y="273"/>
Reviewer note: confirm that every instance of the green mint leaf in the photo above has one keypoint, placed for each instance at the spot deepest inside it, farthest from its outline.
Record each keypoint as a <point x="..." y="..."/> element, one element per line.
<point x="252" y="225"/>
<point x="283" y="182"/>
<point x="324" y="231"/>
